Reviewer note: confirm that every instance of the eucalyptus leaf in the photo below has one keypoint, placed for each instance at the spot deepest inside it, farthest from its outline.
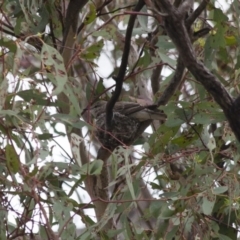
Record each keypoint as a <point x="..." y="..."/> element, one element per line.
<point x="219" y="190"/>
<point x="208" y="203"/>
<point x="58" y="74"/>
<point x="93" y="168"/>
<point x="13" y="161"/>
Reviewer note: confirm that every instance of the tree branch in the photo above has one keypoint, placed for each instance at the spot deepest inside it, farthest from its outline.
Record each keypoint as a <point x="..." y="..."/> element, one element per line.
<point x="96" y="185"/>
<point x="176" y="80"/>
<point x="123" y="66"/>
<point x="190" y="20"/>
<point x="71" y="20"/>
<point x="177" y="31"/>
<point x="173" y="85"/>
<point x="99" y="189"/>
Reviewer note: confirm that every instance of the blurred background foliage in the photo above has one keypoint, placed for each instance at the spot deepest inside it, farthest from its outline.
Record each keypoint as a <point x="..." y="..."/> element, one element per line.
<point x="188" y="167"/>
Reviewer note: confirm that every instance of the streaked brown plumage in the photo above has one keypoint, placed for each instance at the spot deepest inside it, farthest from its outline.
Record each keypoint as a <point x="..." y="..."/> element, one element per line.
<point x="129" y="121"/>
<point x="130" y="109"/>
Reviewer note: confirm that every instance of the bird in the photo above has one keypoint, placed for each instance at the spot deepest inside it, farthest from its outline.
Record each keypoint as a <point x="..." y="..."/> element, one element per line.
<point x="128" y="122"/>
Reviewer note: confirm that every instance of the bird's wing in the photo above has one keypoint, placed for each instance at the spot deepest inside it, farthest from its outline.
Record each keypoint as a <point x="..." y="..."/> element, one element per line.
<point x="127" y="108"/>
<point x="142" y="113"/>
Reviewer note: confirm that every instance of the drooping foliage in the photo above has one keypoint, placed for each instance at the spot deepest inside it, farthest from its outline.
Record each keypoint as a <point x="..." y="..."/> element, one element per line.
<point x="179" y="180"/>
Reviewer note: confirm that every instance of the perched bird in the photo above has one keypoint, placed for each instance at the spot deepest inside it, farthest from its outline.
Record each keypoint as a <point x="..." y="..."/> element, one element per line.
<point x="128" y="123"/>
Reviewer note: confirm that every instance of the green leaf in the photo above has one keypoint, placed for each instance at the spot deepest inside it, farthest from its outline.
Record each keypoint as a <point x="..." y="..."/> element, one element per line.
<point x="36" y="97"/>
<point x="172" y="233"/>
<point x="112" y="233"/>
<point x="11" y="45"/>
<point x="42" y="21"/>
<point x="58" y="74"/>
<point x="143" y="20"/>
<point x="217" y="39"/>
<point x="80" y="124"/>
<point x="73" y="91"/>
<point x="167" y="213"/>
<point x="14" y="117"/>
<point x="228" y="135"/>
<point x="3" y="92"/>
<point x="92" y="168"/>
<point x="43" y="232"/>
<point x="156" y="207"/>
<point x="86" y="235"/>
<point x="219" y="16"/>
<point x="188" y="137"/>
<point x="20" y="25"/>
<point x="164" y="43"/>
<point x="174" y="121"/>
<point x="189" y="223"/>
<point x="70" y="120"/>
<point x="12" y="159"/>
<point x="108" y="33"/>
<point x="219" y="190"/>
<point x="208" y="203"/>
<point x="145" y="60"/>
<point x="171" y="195"/>
<point x="224" y="237"/>
<point x="108" y="214"/>
<point x="162" y="137"/>
<point x="45" y="136"/>
<point x="201" y="118"/>
<point x="230" y="40"/>
<point x="100" y="87"/>
<point x="209" y="55"/>
<point x="91" y="16"/>
<point x="93" y="51"/>
<point x="167" y="59"/>
<point x="130" y="185"/>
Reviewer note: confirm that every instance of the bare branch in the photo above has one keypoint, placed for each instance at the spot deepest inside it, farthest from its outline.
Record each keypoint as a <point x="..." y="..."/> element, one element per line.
<point x="190" y="20"/>
<point x="177" y="31"/>
<point x="123" y="66"/>
<point x="164" y="5"/>
<point x="71" y="19"/>
<point x="173" y="85"/>
<point x="155" y="81"/>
